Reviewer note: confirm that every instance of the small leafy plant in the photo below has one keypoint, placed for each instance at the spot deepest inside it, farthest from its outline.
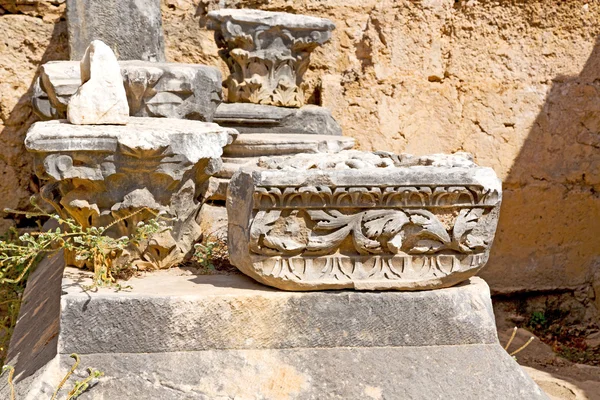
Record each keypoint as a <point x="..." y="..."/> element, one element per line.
<point x="538" y="318"/>
<point x="212" y="254"/>
<point x="79" y="387"/>
<point x="204" y="254"/>
<point x="90" y="245"/>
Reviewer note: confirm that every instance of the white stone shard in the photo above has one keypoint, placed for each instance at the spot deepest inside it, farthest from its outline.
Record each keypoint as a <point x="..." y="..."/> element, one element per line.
<point x="101" y="99"/>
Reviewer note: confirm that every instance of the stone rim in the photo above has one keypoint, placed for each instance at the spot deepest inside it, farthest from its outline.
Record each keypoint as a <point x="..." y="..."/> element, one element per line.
<point x="271" y="19"/>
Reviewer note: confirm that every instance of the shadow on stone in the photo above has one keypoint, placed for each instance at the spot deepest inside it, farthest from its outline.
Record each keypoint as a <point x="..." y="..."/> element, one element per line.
<point x="548" y="233"/>
<point x="21" y="117"/>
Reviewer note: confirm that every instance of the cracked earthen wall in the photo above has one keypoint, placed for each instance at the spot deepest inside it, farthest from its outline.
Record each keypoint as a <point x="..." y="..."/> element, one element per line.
<point x="515" y="82"/>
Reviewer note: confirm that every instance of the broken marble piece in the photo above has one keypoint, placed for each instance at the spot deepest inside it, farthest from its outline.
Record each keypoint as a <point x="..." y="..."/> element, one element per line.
<point x="259" y="118"/>
<point x="96" y="174"/>
<point x="246" y="150"/>
<point x="267" y="53"/>
<point x="101" y="98"/>
<point x="172" y="90"/>
<point x="367" y="221"/>
<point x="132" y="28"/>
<point x="169" y="90"/>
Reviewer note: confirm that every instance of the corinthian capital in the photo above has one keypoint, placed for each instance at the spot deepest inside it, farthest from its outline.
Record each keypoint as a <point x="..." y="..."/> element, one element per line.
<point x="267" y="53"/>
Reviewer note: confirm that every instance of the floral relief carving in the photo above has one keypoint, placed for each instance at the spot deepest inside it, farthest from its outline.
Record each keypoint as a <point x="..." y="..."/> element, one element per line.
<point x="313" y="223"/>
<point x="373" y="231"/>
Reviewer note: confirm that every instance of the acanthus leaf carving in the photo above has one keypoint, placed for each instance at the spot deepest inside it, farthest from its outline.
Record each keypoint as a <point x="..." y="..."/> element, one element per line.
<point x="267" y="53"/>
<point x="374" y="231"/>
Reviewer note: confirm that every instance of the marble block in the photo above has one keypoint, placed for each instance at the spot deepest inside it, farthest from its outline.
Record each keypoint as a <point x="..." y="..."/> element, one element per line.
<point x="101" y="98"/>
<point x="360" y="220"/>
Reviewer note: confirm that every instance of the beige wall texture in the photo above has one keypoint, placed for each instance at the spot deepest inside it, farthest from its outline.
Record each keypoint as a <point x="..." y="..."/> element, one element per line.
<point x="515" y="82"/>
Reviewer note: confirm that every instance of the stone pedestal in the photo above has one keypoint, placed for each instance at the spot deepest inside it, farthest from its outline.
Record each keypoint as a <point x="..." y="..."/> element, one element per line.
<point x="182" y="336"/>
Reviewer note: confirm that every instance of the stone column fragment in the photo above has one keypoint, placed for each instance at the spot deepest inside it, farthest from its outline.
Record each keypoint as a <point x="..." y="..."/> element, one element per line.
<point x="267" y="53"/>
<point x="132" y="28"/>
<point x="97" y="174"/>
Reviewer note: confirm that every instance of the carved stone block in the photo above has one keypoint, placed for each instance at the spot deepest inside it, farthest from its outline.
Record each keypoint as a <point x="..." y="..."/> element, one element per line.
<point x="267" y="53"/>
<point x="132" y="28"/>
<point x="246" y="150"/>
<point x="362" y="220"/>
<point x="169" y="90"/>
<point x="96" y="174"/>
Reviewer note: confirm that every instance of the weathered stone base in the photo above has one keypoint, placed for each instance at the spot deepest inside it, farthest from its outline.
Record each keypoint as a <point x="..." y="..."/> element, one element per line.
<point x="181" y="336"/>
<point x="438" y="372"/>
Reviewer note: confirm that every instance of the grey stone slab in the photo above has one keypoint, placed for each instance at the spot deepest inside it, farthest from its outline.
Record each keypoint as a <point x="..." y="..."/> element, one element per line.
<point x="251" y="146"/>
<point x="271" y="19"/>
<point x="169" y="90"/>
<point x="165" y="312"/>
<point x="258" y="118"/>
<point x="132" y="28"/>
<point x="35" y="338"/>
<point x="420" y="373"/>
<point x="33" y="347"/>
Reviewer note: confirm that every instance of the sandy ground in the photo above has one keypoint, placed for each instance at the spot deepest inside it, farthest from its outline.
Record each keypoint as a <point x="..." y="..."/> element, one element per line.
<point x="558" y="377"/>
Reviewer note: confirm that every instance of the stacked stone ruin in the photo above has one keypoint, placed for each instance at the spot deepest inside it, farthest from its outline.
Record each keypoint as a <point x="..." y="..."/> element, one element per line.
<point x="305" y="213"/>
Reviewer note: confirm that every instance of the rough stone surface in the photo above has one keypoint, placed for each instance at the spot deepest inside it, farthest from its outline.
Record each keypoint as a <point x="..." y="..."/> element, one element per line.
<point x="169" y="90"/>
<point x="257" y="118"/>
<point x="99" y="173"/>
<point x="362" y="220"/>
<point x="416" y="373"/>
<point x="168" y="312"/>
<point x="519" y="91"/>
<point x="101" y="98"/>
<point x="262" y="343"/>
<point x="267" y="53"/>
<point x="132" y="28"/>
